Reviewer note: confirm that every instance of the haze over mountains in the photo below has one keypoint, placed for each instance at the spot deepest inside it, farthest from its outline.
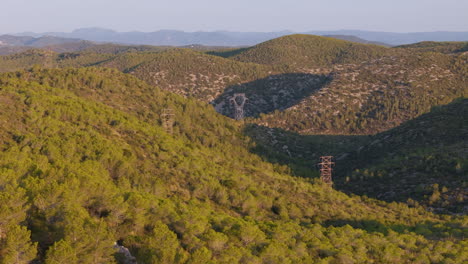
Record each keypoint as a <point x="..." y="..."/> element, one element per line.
<point x="12" y="44"/>
<point x="226" y="38"/>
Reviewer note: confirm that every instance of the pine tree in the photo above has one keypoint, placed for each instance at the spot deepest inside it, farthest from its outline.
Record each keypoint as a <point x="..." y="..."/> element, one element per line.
<point x="16" y="247"/>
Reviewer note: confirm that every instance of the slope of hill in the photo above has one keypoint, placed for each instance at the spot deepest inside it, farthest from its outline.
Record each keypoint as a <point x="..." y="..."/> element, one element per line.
<point x="50" y="59"/>
<point x="183" y="71"/>
<point x="15" y="44"/>
<point x="425" y="159"/>
<point x="27" y="59"/>
<point x="357" y="40"/>
<point x="6" y="50"/>
<point x="83" y="46"/>
<point x="442" y="47"/>
<point x="196" y="74"/>
<point x="276" y="92"/>
<point x="117" y="49"/>
<point x="394" y="38"/>
<point x="34" y="42"/>
<point x="85" y="162"/>
<point x="307" y="51"/>
<point x="376" y="95"/>
<point x="421" y="161"/>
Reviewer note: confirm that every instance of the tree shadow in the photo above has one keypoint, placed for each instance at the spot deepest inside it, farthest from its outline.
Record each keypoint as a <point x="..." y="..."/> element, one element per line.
<point x="227" y="52"/>
<point x="410" y="163"/>
<point x="275" y="92"/>
<point x="301" y="153"/>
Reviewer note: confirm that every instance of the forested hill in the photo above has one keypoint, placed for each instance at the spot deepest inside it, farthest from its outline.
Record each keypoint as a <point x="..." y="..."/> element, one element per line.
<point x="84" y="162"/>
<point x="443" y="47"/>
<point x="15" y="44"/>
<point x="183" y="71"/>
<point x="308" y="51"/>
<point x="301" y="83"/>
<point x="10" y="40"/>
<point x="424" y="160"/>
<point x="375" y="95"/>
<point x="196" y="74"/>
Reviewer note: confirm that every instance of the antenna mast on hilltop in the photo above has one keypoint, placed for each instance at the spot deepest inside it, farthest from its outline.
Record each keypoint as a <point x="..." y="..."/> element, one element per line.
<point x="326" y="165"/>
<point x="238" y="107"/>
<point x="167" y="119"/>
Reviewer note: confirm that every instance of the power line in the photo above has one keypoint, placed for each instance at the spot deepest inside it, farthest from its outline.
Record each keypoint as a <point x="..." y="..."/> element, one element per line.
<point x="326" y="170"/>
<point x="238" y="106"/>
<point x="167" y="120"/>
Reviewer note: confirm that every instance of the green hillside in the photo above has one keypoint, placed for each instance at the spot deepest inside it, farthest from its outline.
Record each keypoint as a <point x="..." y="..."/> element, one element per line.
<point x="433" y="46"/>
<point x="84" y="162"/>
<point x="27" y="59"/>
<point x="50" y="59"/>
<point x="183" y="71"/>
<point x="117" y="49"/>
<point x="421" y="161"/>
<point x="80" y="55"/>
<point x="308" y="51"/>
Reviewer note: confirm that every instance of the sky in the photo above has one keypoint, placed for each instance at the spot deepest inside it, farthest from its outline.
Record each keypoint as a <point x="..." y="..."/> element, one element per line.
<point x="237" y="15"/>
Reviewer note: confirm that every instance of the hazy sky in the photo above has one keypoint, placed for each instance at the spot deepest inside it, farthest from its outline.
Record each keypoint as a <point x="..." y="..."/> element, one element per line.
<point x="235" y="15"/>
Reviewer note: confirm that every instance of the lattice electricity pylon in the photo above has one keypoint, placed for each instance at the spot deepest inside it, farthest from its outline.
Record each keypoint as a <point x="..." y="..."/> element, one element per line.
<point x="238" y="107"/>
<point x="167" y="120"/>
<point x="326" y="165"/>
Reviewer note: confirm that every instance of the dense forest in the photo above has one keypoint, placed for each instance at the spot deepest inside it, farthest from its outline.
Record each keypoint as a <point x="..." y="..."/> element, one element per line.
<point x="421" y="161"/>
<point x="377" y="95"/>
<point x="308" y="51"/>
<point x="88" y="170"/>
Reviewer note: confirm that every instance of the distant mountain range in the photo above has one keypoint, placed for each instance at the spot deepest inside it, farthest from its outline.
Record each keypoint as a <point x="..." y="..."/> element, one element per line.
<point x="10" y="44"/>
<point x="396" y="39"/>
<point x="356" y="39"/>
<point x="36" y="41"/>
<point x="225" y="38"/>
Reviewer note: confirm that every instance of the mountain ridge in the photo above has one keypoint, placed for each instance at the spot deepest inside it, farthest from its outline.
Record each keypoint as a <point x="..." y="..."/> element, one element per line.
<point x="42" y="41"/>
<point x="221" y="38"/>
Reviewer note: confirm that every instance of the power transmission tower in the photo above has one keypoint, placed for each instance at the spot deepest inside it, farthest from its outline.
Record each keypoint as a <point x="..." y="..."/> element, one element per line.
<point x="238" y="106"/>
<point x="167" y="120"/>
<point x="326" y="165"/>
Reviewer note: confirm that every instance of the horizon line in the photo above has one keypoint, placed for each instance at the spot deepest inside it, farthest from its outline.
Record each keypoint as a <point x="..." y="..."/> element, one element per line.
<point x="230" y="31"/>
